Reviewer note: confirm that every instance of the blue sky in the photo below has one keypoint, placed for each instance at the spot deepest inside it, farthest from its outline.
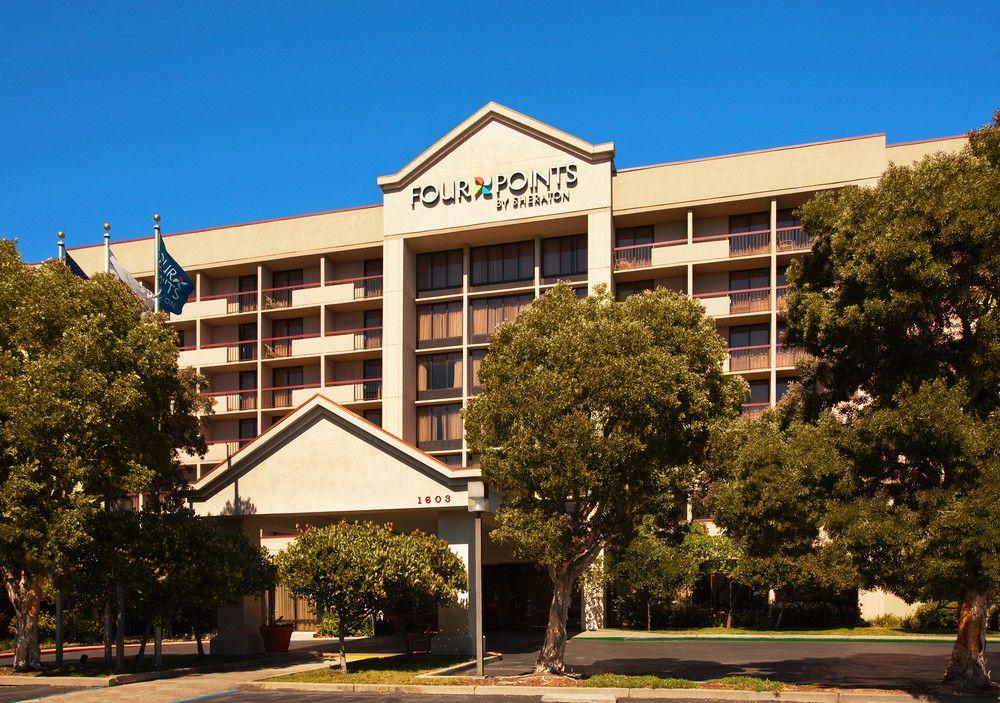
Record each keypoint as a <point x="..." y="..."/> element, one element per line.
<point x="216" y="113"/>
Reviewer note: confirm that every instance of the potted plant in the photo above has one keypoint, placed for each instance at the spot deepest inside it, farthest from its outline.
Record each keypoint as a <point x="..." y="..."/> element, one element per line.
<point x="277" y="635"/>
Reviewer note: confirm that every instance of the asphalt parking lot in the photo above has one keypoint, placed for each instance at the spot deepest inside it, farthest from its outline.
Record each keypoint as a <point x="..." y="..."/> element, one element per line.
<point x="16" y="694"/>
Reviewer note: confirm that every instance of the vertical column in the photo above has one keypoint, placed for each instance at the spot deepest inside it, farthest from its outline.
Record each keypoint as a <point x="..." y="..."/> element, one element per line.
<point x="600" y="242"/>
<point x="398" y="339"/>
<point x="457" y="622"/>
<point x="197" y="287"/>
<point x="239" y="622"/>
<point x="690" y="225"/>
<point x="465" y="344"/>
<point x="538" y="266"/>
<point x="690" y="266"/>
<point x="260" y="350"/>
<point x="774" y="302"/>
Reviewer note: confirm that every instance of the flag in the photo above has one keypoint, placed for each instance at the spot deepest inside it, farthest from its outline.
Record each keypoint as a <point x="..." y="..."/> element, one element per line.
<point x="74" y="268"/>
<point x="122" y="274"/>
<point x="175" y="284"/>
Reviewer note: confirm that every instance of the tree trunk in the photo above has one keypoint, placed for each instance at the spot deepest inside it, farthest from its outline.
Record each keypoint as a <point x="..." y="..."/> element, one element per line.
<point x="120" y="631"/>
<point x="550" y="658"/>
<point x="649" y="614"/>
<point x="107" y="633"/>
<point x="142" y="643"/>
<point x="729" y="615"/>
<point x="343" y="651"/>
<point x="158" y="645"/>
<point x="967" y="668"/>
<point x="197" y="638"/>
<point x="25" y="594"/>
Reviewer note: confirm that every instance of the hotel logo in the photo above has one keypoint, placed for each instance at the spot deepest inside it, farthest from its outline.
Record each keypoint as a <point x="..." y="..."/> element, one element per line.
<point x="509" y="191"/>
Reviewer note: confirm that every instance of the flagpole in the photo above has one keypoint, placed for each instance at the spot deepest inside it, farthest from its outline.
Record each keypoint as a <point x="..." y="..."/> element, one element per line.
<point x="156" y="262"/>
<point x="107" y="248"/>
<point x="62" y="246"/>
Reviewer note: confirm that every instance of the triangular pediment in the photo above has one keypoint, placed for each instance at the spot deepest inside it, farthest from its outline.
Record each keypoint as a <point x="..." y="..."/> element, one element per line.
<point x="325" y="459"/>
<point x="495" y="134"/>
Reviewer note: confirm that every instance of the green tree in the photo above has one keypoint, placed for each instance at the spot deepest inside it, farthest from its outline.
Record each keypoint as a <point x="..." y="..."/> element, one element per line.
<point x="354" y="570"/>
<point x="898" y="303"/>
<point x="592" y="414"/>
<point x="91" y="407"/>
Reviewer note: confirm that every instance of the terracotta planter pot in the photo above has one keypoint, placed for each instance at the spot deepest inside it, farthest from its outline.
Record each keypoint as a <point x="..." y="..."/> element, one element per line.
<point x="276" y="637"/>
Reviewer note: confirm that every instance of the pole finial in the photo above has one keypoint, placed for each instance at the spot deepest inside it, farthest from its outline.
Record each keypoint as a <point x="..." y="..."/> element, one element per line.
<point x="107" y="227"/>
<point x="60" y="235"/>
<point x="156" y="217"/>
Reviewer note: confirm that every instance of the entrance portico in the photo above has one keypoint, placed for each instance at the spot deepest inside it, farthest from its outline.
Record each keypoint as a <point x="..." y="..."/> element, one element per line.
<point x="323" y="464"/>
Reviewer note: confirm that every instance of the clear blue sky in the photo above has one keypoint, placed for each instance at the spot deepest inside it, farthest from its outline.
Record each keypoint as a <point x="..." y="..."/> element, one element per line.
<point x="221" y="112"/>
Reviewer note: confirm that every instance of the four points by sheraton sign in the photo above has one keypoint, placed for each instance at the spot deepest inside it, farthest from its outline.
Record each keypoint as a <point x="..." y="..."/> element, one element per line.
<point x="510" y="191"/>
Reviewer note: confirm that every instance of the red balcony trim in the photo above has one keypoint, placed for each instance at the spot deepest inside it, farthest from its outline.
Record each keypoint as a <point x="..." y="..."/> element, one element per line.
<point x="730" y="235"/>
<point x="297" y="286"/>
<point x="719" y="294"/>
<point x="335" y="281"/>
<point x="353" y="381"/>
<point x="233" y="294"/>
<point x="754" y="346"/>
<point x="218" y="345"/>
<point x="308" y="335"/>
<point x="243" y="391"/>
<point x="354" y="330"/>
<point x="652" y="245"/>
<point x="291" y="388"/>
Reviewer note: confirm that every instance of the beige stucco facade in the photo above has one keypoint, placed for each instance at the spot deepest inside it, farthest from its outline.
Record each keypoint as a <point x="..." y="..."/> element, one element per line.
<point x="312" y="330"/>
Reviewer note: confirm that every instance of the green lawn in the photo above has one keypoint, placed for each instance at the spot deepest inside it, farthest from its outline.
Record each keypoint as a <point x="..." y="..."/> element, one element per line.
<point x="831" y="632"/>
<point x="737" y="683"/>
<point x="384" y="670"/>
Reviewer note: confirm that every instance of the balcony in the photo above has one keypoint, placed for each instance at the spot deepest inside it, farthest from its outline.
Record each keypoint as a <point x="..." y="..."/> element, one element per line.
<point x="644" y="255"/>
<point x="285" y="296"/>
<point x="221" y="449"/>
<point x="736" y="302"/>
<point x="749" y="358"/>
<point x="354" y="339"/>
<point x="290" y="345"/>
<point x="789" y="356"/>
<point x="288" y="396"/>
<point x="793" y="238"/>
<point x="233" y="401"/>
<point x="219" y="353"/>
<point x="753" y="409"/>
<point x="228" y="303"/>
<point x="740" y="243"/>
<point x="356" y="390"/>
<point x="781" y="297"/>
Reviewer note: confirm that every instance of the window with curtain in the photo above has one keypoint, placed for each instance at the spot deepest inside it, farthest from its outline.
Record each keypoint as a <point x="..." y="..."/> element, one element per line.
<point x="627" y="289"/>
<point x="502" y="263"/>
<point x="749" y="336"/>
<point x="282" y="279"/>
<point x="439" y="426"/>
<point x="748" y="280"/>
<point x="439" y="375"/>
<point x="439" y="270"/>
<point x="752" y="222"/>
<point x="633" y="236"/>
<point x="760" y="392"/>
<point x="439" y="324"/>
<point x="564" y="256"/>
<point x="488" y="313"/>
<point x="787" y="219"/>
<point x="475" y="360"/>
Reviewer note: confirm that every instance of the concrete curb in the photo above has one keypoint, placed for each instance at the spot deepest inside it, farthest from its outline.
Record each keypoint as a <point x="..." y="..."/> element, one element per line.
<point x="448" y="670"/>
<point x="581" y="694"/>
<point x="60" y="681"/>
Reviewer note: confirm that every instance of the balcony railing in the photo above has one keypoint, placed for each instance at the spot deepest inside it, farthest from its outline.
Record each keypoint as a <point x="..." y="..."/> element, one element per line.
<point x="236" y="400"/>
<point x="364" y="388"/>
<point x="281" y="396"/>
<point x="364" y="337"/>
<point x="281" y="296"/>
<point x="781" y="297"/>
<point x="792" y="238"/>
<point x="757" y="356"/>
<point x="280" y="347"/>
<point x="242" y="350"/>
<point x="789" y="356"/>
<point x="245" y="301"/>
<point x="633" y="256"/>
<point x="364" y="286"/>
<point x="751" y="409"/>
<point x="743" y="301"/>
<point x="232" y="445"/>
<point x="742" y="243"/>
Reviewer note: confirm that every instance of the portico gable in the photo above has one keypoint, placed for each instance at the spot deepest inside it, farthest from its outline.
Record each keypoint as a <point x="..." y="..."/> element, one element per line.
<point x="324" y="459"/>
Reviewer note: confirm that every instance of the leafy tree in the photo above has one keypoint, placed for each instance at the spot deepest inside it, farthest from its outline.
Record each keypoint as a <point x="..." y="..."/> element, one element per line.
<point x="591" y="416"/>
<point x="91" y="407"/>
<point x="354" y="570"/>
<point x="898" y="303"/>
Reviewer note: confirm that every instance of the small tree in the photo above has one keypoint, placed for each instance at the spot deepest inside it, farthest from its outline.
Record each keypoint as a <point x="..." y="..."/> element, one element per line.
<point x="354" y="570"/>
<point x="591" y="415"/>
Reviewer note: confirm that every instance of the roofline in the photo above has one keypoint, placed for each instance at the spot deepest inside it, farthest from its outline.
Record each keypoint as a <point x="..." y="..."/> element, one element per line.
<point x="929" y="139"/>
<point x="753" y="151"/>
<point x="232" y="226"/>
<point x="493" y="110"/>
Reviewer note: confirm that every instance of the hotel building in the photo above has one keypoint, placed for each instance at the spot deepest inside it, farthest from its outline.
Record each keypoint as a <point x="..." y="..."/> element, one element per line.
<point x="314" y="331"/>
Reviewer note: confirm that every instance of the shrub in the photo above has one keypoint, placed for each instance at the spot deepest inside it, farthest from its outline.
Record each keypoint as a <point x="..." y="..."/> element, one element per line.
<point x="886" y="620"/>
<point x="934" y="615"/>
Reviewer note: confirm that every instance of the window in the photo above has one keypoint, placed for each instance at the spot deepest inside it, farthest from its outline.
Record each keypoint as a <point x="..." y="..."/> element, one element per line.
<point x="439" y="324"/>
<point x="450" y="459"/>
<point x="781" y="387"/>
<point x="564" y="256"/>
<point x="633" y="236"/>
<point x="371" y="285"/>
<point x="749" y="336"/>
<point x="783" y="275"/>
<point x="373" y="416"/>
<point x="754" y="222"/>
<point x="248" y="380"/>
<point x="246" y="400"/>
<point x="760" y="392"/>
<point x="247" y="351"/>
<point x="248" y="428"/>
<point x="787" y="219"/>
<point x="475" y="360"/>
<point x="439" y="375"/>
<point x="371" y="387"/>
<point x="284" y="279"/>
<point x="629" y="288"/>
<point x="181" y="339"/>
<point x="488" y="313"/>
<point x="439" y="426"/>
<point x="748" y="280"/>
<point x="248" y="283"/>
<point x="440" y="270"/>
<point x="502" y="263"/>
<point x="289" y="327"/>
<point x="287" y="376"/>
<point x="371" y="336"/>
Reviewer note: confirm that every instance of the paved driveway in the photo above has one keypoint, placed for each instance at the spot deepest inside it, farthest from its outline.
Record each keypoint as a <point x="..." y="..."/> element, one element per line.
<point x="14" y="694"/>
<point x="857" y="664"/>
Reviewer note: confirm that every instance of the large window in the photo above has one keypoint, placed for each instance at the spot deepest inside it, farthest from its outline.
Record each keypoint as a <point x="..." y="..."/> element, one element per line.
<point x="749" y="280"/>
<point x="439" y="426"/>
<point x="741" y="336"/>
<point x="439" y="375"/>
<point x="753" y="222"/>
<point x="564" y="256"/>
<point x="440" y="270"/>
<point x="502" y="263"/>
<point x="627" y="289"/>
<point x="488" y="313"/>
<point x="439" y="324"/>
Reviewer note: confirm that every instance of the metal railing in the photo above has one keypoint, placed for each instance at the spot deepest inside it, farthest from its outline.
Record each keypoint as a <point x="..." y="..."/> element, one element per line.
<point x="232" y="445"/>
<point x="245" y="301"/>
<point x="743" y="301"/>
<point x="786" y="355"/>
<point x="281" y="396"/>
<point x="364" y="388"/>
<point x="639" y="255"/>
<point x="281" y="296"/>
<point x="364" y="286"/>
<point x="245" y="399"/>
<point x="241" y="350"/>
<point x="364" y="337"/>
<point x="757" y="356"/>
<point x="742" y="243"/>
<point x="792" y="238"/>
<point x="751" y="409"/>
<point x="281" y="347"/>
<point x="781" y="297"/>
